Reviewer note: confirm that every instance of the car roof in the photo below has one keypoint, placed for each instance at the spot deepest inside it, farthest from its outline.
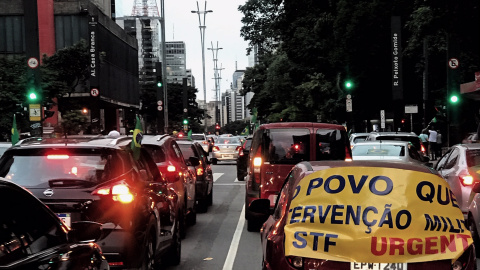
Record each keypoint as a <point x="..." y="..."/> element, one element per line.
<point x="74" y="141"/>
<point x="379" y="142"/>
<point x="155" y="139"/>
<point x="400" y="133"/>
<point x="301" y="124"/>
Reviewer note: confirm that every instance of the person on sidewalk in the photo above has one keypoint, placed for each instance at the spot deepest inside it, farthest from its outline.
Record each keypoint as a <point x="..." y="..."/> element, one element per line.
<point x="432" y="143"/>
<point x="439" y="144"/>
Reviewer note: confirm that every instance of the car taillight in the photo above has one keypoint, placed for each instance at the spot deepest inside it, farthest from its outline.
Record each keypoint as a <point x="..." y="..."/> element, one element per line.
<point x="199" y="171"/>
<point x="119" y="193"/>
<point x="238" y="148"/>
<point x="205" y="142"/>
<point x="240" y="152"/>
<point x="171" y="168"/>
<point x="466" y="180"/>
<point x="295" y="261"/>
<point x="215" y="149"/>
<point x="422" y="148"/>
<point x="348" y="156"/>
<point x="58" y="157"/>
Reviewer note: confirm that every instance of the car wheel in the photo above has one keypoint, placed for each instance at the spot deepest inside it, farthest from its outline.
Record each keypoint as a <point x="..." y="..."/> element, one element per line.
<point x="476" y="239"/>
<point x="214" y="161"/>
<point x="183" y="224"/>
<point x="210" y="198"/>
<point x="174" y="253"/>
<point x="202" y="206"/>
<point x="192" y="218"/>
<point x="253" y="225"/>
<point x="149" y="259"/>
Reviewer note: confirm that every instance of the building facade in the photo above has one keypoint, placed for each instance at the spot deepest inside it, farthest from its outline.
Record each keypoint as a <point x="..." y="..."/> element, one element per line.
<point x="110" y="96"/>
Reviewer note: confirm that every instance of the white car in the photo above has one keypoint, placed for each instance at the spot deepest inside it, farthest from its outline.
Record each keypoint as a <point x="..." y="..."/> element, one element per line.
<point x="201" y="139"/>
<point x="387" y="150"/>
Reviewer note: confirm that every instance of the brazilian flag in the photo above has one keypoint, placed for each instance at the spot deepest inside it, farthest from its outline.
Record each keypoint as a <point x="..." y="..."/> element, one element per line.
<point x="245" y="131"/>
<point x="137" y="139"/>
<point x="15" y="135"/>
<point x="189" y="134"/>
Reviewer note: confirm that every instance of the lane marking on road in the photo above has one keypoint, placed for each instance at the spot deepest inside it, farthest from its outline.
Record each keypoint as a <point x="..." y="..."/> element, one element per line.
<point x="232" y="252"/>
<point x="216" y="176"/>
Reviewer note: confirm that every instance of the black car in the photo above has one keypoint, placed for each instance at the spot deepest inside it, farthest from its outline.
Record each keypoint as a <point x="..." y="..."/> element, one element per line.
<point x="33" y="237"/>
<point x="202" y="172"/>
<point x="242" y="160"/>
<point x="103" y="180"/>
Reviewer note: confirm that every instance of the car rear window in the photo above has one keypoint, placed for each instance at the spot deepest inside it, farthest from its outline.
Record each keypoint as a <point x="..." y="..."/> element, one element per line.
<point x="187" y="150"/>
<point x="228" y="140"/>
<point x="288" y="146"/>
<point x="66" y="167"/>
<point x="331" y="144"/>
<point x="157" y="153"/>
<point x="414" y="140"/>
<point x="384" y="150"/>
<point x="198" y="137"/>
<point x="473" y="158"/>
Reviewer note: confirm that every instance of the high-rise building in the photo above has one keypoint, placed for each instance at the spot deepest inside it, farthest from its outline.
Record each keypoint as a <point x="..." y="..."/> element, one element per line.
<point x="176" y="61"/>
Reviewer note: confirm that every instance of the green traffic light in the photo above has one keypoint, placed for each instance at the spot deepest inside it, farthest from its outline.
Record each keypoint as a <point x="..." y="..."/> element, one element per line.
<point x="185" y="121"/>
<point x="454" y="99"/>
<point x="348" y="84"/>
<point x="159" y="84"/>
<point x="32" y="96"/>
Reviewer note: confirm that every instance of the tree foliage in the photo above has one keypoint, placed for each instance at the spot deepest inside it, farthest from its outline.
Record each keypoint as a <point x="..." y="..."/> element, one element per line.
<point x="308" y="48"/>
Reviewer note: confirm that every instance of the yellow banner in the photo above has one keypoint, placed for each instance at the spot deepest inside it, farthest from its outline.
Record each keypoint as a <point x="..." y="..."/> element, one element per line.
<point x="373" y="214"/>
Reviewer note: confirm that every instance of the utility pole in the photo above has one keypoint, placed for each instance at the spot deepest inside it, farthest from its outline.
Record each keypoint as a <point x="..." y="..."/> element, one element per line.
<point x="216" y="78"/>
<point x="164" y="67"/>
<point x="202" y="27"/>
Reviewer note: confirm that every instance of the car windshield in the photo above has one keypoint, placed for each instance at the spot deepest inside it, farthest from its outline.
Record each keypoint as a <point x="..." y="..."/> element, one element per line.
<point x="414" y="140"/>
<point x="228" y="140"/>
<point x="198" y="137"/>
<point x="45" y="168"/>
<point x="378" y="150"/>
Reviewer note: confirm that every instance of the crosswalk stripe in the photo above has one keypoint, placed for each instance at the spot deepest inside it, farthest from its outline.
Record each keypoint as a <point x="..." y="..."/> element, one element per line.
<point x="216" y="176"/>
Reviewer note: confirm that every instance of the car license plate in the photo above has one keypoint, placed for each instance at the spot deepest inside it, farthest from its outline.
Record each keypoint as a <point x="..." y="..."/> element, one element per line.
<point x="378" y="266"/>
<point x="227" y="156"/>
<point x="66" y="218"/>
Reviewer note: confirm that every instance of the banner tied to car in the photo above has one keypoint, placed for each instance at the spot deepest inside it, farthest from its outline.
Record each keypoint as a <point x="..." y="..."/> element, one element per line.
<point x="375" y="214"/>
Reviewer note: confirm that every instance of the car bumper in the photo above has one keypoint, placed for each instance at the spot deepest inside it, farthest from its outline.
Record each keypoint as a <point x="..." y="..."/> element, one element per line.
<point x="225" y="156"/>
<point x="120" y="247"/>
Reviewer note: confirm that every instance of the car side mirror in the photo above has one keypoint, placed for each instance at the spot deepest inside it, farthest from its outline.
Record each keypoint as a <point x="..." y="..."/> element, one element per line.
<point x="194" y="161"/>
<point x="85" y="231"/>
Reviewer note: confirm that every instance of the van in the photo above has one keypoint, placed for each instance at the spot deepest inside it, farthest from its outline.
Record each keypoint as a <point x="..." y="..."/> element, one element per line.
<point x="277" y="147"/>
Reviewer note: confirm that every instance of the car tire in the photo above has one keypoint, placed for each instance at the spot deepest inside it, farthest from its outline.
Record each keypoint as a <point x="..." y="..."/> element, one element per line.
<point x="202" y="206"/>
<point x="210" y="199"/>
<point x="192" y="218"/>
<point x="183" y="224"/>
<point x="214" y="161"/>
<point x="174" y="254"/>
<point x="149" y="257"/>
<point x="476" y="239"/>
<point x="253" y="225"/>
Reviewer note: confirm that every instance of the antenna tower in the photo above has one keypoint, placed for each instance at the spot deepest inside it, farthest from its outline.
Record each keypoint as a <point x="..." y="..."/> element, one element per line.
<point x="145" y="8"/>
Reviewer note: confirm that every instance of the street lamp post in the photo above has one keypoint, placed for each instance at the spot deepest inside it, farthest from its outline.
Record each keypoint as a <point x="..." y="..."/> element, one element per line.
<point x="202" y="27"/>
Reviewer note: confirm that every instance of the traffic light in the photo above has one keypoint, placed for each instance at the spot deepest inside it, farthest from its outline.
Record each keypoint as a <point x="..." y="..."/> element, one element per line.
<point x="32" y="95"/>
<point x="454" y="98"/>
<point x="185" y="121"/>
<point x="348" y="84"/>
<point x="217" y="126"/>
<point x="158" y="74"/>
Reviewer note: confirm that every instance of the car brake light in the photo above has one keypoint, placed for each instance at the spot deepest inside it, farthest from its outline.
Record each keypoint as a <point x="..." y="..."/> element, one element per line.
<point x="57" y="156"/>
<point x="348" y="156"/>
<point x="215" y="149"/>
<point x="466" y="180"/>
<point x="240" y="152"/>
<point x="200" y="171"/>
<point x="422" y="148"/>
<point x="205" y="142"/>
<point x="120" y="193"/>
<point x="171" y="168"/>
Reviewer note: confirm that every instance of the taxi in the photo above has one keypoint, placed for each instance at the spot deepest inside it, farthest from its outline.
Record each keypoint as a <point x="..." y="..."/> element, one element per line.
<point x="364" y="215"/>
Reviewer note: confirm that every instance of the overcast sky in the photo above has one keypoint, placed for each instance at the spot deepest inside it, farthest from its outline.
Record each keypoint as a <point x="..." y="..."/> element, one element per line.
<point x="223" y="26"/>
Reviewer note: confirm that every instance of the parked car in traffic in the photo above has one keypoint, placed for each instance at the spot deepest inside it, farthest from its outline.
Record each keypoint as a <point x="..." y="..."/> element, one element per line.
<point x="460" y="166"/>
<point x="201" y="170"/>
<point x="33" y="237"/>
<point x="400" y="136"/>
<point x="357" y="137"/>
<point x="242" y="160"/>
<point x="202" y="140"/>
<point x="277" y="147"/>
<point x="104" y="181"/>
<point x="171" y="163"/>
<point x="363" y="215"/>
<point x="226" y="149"/>
<point x="387" y="150"/>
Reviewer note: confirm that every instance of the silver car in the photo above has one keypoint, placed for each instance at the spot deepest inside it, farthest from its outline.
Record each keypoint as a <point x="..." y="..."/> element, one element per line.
<point x="386" y="150"/>
<point x="460" y="168"/>
<point x="202" y="140"/>
<point x="226" y="149"/>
